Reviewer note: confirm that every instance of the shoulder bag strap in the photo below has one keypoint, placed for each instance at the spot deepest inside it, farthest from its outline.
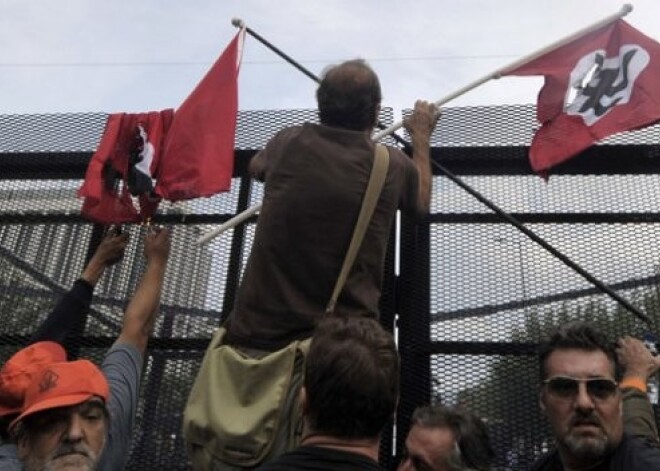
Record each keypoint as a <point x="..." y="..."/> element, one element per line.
<point x="374" y="187"/>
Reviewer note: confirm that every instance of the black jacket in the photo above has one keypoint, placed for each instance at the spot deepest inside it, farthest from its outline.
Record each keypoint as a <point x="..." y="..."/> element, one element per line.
<point x="632" y="454"/>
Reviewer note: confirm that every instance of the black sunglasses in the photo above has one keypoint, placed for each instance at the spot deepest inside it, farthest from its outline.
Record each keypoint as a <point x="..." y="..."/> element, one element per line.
<point x="566" y="387"/>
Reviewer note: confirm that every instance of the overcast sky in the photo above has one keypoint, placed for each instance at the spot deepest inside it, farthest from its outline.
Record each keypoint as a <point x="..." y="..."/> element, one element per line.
<point x="129" y="55"/>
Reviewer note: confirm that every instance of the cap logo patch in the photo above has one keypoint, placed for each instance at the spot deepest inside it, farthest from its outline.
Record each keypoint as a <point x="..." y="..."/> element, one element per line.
<point x="48" y="381"/>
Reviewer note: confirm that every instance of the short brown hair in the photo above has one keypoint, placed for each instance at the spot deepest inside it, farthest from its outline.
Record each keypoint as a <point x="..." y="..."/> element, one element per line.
<point x="351" y="377"/>
<point x="580" y="336"/>
<point x="349" y="96"/>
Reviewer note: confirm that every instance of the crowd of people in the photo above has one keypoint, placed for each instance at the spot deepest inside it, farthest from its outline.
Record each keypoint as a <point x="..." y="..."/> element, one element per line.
<point x="291" y="381"/>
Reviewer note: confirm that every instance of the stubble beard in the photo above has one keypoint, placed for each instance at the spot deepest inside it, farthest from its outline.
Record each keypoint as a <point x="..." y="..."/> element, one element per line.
<point x="587" y="448"/>
<point x="71" y="463"/>
<point x="63" y="459"/>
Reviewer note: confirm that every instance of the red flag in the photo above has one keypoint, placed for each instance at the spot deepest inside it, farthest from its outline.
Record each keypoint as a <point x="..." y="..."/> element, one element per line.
<point x="123" y="164"/>
<point x="198" y="158"/>
<point x="605" y="82"/>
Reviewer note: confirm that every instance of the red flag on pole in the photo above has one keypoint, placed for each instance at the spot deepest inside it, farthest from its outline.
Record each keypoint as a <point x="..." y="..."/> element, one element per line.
<point x="605" y="82"/>
<point x="123" y="165"/>
<point x="198" y="157"/>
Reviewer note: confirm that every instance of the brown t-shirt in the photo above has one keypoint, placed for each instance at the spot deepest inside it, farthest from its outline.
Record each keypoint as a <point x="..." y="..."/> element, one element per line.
<point x="315" y="178"/>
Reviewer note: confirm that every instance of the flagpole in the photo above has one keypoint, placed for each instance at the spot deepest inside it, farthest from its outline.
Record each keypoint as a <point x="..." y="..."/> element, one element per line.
<point x="627" y="8"/>
<point x="238" y="23"/>
<point x="235" y="221"/>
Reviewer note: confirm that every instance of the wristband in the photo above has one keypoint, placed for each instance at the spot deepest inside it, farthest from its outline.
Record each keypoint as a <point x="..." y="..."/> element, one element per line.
<point x="633" y="382"/>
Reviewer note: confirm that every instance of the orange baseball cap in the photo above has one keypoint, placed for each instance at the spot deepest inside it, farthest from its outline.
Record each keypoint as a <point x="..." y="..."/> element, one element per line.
<point x="63" y="384"/>
<point x="19" y="370"/>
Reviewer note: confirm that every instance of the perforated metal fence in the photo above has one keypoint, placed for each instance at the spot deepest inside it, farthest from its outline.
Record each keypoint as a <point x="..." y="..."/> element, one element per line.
<point x="470" y="295"/>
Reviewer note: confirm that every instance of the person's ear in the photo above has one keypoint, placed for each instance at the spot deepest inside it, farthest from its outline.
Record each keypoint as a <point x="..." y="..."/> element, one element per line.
<point x="541" y="400"/>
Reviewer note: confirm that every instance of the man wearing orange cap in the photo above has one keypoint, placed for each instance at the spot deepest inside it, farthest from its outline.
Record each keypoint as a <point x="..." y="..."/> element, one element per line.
<point x="65" y="420"/>
<point x="122" y="365"/>
<point x="15" y="377"/>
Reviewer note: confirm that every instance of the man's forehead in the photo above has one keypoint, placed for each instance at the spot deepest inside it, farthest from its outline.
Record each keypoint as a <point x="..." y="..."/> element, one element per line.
<point x="433" y="443"/>
<point x="92" y="404"/>
<point x="579" y="363"/>
<point x="434" y="434"/>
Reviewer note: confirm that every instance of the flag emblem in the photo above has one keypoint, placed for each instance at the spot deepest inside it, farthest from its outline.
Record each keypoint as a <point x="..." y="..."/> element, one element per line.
<point x="599" y="83"/>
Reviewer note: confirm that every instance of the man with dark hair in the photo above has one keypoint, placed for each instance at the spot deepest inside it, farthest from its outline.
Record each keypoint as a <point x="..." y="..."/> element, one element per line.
<point x="580" y="397"/>
<point x="315" y="177"/>
<point x="350" y="393"/>
<point x="445" y="439"/>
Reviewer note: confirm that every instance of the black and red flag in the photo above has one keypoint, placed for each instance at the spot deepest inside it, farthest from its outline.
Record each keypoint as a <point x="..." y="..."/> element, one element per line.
<point x="604" y="82"/>
<point x="172" y="155"/>
<point x="123" y="166"/>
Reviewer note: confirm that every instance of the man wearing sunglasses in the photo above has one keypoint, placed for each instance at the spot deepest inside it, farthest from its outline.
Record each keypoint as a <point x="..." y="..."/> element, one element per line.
<point x="581" y="398"/>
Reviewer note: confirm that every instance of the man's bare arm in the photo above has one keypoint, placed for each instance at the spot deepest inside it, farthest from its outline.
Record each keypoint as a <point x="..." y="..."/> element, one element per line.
<point x="638" y="364"/>
<point x="420" y="126"/>
<point x="140" y="315"/>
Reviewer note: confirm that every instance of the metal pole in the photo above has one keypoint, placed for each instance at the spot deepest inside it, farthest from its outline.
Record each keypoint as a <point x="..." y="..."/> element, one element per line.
<point x="237" y="22"/>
